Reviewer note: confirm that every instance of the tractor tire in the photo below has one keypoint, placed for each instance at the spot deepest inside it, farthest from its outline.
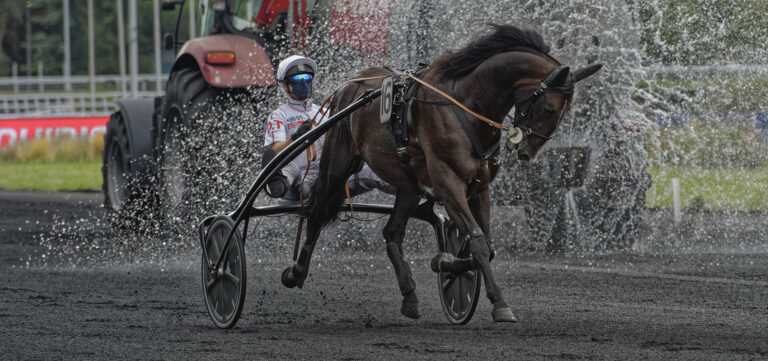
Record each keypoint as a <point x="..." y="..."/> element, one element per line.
<point x="187" y="96"/>
<point x="121" y="194"/>
<point x="207" y="141"/>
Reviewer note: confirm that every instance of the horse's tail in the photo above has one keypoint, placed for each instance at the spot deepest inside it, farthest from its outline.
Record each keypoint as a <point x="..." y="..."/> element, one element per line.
<point x="337" y="164"/>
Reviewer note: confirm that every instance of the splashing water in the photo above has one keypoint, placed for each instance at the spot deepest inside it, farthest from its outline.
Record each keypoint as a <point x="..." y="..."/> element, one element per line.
<point x="634" y="116"/>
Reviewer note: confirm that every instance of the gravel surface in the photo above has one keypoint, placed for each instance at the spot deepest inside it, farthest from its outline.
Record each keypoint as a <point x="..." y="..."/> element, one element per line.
<point x="610" y="306"/>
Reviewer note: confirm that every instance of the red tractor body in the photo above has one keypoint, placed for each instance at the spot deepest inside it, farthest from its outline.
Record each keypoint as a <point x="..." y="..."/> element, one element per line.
<point x="229" y="61"/>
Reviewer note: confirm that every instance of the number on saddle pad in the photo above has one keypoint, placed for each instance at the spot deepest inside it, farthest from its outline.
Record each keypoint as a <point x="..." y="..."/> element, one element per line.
<point x="387" y="99"/>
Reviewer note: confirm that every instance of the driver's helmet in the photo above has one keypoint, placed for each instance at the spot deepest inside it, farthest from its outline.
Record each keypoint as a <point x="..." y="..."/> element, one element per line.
<point x="295" y="64"/>
<point x="297" y="71"/>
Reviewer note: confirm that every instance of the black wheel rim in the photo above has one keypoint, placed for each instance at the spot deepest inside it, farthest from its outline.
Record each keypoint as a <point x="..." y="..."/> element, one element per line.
<point x="224" y="289"/>
<point x="458" y="292"/>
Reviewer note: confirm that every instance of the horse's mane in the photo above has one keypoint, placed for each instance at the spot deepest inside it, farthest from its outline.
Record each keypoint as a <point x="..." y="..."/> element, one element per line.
<point x="454" y="64"/>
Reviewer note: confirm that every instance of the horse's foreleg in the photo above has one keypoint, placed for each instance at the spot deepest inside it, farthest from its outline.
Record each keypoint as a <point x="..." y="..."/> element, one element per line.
<point x="452" y="192"/>
<point x="480" y="205"/>
<point x="394" y="233"/>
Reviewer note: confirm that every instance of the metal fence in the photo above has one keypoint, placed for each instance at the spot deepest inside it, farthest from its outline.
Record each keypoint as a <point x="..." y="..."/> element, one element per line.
<point x="40" y="96"/>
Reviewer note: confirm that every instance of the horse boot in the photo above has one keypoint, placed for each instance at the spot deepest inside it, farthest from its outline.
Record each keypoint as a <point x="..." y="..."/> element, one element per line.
<point x="446" y="262"/>
<point x="293" y="276"/>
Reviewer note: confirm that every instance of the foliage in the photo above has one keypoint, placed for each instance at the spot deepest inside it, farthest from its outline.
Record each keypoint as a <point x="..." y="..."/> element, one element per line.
<point x="694" y="32"/>
<point x="48" y="36"/>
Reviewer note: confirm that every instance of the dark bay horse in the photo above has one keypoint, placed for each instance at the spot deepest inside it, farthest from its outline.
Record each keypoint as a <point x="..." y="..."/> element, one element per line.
<point x="508" y="67"/>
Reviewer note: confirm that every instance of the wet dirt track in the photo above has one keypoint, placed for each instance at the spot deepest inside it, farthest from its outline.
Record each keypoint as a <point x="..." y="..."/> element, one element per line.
<point x="628" y="306"/>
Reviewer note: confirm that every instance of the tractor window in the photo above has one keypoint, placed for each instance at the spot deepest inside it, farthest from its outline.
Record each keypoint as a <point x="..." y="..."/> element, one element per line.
<point x="246" y="13"/>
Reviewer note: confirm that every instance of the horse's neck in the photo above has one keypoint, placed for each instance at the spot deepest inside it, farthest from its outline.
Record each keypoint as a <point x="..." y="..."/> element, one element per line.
<point x="493" y="87"/>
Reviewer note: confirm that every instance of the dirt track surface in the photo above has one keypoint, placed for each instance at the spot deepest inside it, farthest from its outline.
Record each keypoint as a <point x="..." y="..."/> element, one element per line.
<point x="620" y="306"/>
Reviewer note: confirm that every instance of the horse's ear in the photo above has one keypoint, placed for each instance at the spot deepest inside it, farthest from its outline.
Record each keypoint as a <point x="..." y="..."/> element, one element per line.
<point x="585" y="72"/>
<point x="561" y="76"/>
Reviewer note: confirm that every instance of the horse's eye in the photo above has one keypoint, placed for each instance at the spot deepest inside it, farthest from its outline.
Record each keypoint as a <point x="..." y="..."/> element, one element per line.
<point x="548" y="111"/>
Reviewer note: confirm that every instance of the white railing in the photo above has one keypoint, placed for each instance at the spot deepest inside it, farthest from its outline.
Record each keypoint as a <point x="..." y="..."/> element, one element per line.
<point x="61" y="104"/>
<point x="42" y="96"/>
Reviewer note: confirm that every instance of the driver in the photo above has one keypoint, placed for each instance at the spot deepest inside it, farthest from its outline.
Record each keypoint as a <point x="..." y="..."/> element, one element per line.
<point x="289" y="122"/>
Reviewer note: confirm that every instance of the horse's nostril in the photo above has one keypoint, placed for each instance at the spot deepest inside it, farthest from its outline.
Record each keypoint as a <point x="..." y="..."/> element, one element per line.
<point x="524" y="157"/>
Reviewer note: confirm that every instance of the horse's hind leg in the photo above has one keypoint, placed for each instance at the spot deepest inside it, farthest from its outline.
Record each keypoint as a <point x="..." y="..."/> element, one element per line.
<point x="394" y="233"/>
<point x="336" y="165"/>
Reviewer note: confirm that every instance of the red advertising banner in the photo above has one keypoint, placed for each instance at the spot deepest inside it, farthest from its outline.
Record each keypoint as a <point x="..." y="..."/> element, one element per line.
<point x="19" y="130"/>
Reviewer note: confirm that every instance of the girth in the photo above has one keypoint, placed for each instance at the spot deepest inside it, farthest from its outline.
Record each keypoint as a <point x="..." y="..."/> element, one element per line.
<point x="399" y="130"/>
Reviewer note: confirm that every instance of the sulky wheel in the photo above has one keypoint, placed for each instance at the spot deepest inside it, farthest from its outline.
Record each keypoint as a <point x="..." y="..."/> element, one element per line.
<point x="459" y="293"/>
<point x="224" y="288"/>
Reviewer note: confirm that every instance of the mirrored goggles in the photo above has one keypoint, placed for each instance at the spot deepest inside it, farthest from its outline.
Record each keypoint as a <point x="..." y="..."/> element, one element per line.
<point x="298" y="78"/>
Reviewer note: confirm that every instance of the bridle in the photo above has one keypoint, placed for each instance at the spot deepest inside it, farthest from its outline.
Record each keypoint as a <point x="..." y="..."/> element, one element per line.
<point x="526" y="104"/>
<point x="519" y="129"/>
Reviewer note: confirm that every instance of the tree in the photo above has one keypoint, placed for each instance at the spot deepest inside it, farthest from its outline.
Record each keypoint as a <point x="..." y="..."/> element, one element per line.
<point x="11" y="27"/>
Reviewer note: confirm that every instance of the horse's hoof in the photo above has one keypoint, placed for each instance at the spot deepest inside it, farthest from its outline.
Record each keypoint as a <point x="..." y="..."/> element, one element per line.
<point x="287" y="278"/>
<point x="410" y="310"/>
<point x="439" y="259"/>
<point x="503" y="315"/>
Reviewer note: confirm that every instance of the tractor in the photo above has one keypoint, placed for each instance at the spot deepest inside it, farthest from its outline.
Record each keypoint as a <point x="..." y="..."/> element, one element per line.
<point x="239" y="45"/>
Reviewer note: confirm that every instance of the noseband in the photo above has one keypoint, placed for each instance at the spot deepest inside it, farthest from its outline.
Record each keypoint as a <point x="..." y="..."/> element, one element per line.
<point x="526" y="105"/>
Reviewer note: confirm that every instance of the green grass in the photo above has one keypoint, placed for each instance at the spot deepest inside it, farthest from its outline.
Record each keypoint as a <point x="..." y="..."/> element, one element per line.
<point x="718" y="189"/>
<point x="50" y="176"/>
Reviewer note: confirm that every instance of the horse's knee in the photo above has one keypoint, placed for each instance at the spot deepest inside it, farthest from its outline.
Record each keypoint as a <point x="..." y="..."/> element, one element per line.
<point x="391" y="234"/>
<point x="479" y="247"/>
<point x="393" y="251"/>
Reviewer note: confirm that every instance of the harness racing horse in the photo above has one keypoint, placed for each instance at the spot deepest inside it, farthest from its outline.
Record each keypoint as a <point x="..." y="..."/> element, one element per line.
<point x="508" y="67"/>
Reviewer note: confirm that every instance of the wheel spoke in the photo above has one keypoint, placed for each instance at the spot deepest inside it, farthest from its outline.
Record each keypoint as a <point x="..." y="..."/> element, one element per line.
<point x="213" y="282"/>
<point x="216" y="249"/>
<point x="448" y="282"/>
<point x="459" y="292"/>
<point x="232" y="278"/>
<point x="223" y="299"/>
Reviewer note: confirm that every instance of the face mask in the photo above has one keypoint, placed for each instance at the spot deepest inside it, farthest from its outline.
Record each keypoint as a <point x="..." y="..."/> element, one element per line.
<point x="301" y="86"/>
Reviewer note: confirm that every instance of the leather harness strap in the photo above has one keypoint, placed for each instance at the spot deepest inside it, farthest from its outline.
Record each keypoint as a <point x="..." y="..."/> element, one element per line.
<point x="454" y="101"/>
<point x="477" y="144"/>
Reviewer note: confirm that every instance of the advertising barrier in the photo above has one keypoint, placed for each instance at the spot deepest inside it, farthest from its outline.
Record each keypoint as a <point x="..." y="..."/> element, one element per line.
<point x="19" y="130"/>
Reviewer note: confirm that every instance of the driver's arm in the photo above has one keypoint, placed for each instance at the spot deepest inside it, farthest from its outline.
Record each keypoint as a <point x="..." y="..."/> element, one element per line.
<point x="278" y="146"/>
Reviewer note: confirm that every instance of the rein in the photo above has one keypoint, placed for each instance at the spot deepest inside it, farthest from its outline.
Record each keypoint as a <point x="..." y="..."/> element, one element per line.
<point x="458" y="103"/>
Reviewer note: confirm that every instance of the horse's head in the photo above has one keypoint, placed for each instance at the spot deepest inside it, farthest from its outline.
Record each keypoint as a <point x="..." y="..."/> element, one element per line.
<point x="540" y="108"/>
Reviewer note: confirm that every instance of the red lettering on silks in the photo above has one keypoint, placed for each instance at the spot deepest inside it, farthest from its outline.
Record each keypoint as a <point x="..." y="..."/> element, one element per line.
<point x="274" y="124"/>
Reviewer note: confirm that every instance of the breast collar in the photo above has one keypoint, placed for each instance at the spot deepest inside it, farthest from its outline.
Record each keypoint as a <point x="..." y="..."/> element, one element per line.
<point x="480" y="150"/>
